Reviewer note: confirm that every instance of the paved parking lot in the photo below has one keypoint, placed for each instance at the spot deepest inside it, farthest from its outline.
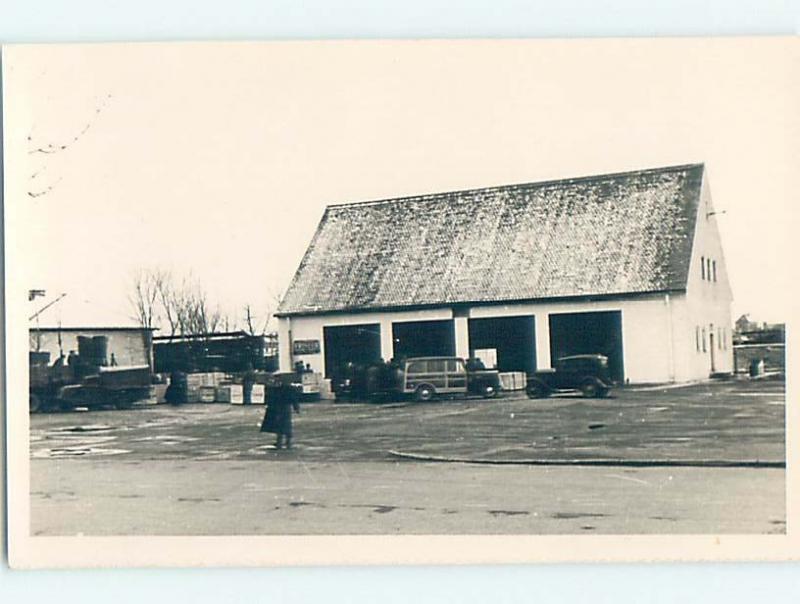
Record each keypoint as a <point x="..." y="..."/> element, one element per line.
<point x="206" y="469"/>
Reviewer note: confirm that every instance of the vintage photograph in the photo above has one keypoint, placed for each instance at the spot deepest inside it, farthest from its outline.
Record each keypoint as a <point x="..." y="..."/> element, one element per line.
<point x="441" y="288"/>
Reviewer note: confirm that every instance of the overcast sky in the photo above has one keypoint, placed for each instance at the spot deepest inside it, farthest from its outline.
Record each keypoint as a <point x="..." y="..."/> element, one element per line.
<point x="218" y="159"/>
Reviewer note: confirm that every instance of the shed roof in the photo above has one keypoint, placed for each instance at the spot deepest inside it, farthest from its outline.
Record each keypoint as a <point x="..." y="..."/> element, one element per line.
<point x="615" y="234"/>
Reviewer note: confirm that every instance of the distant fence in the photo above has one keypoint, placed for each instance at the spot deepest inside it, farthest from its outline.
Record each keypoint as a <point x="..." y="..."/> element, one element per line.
<point x="773" y="355"/>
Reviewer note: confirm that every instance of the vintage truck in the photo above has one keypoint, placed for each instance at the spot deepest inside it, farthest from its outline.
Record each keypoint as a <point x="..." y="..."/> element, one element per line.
<point x="64" y="387"/>
<point x="586" y="373"/>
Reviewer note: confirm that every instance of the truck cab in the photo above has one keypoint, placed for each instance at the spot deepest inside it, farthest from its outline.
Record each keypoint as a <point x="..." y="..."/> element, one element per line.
<point x="587" y="373"/>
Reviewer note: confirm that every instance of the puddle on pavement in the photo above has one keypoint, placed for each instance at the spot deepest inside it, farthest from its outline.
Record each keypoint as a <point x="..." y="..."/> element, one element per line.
<point x="576" y="515"/>
<point x="507" y="512"/>
<point x="167" y="439"/>
<point x="58" y="452"/>
<point x="84" y="428"/>
<point x="76" y="438"/>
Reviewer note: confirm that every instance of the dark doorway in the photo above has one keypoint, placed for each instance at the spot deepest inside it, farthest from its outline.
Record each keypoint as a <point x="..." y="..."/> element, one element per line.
<point x="357" y="344"/>
<point x="589" y="333"/>
<point x="514" y="338"/>
<point x="423" y="339"/>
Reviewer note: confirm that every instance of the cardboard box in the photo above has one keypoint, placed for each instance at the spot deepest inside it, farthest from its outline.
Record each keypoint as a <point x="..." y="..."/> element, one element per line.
<point x="208" y="394"/>
<point x="326" y="390"/>
<point x="513" y="380"/>
<point x="257" y="397"/>
<point x="223" y="394"/>
<point x="237" y="397"/>
<point x="160" y="391"/>
<point x="193" y="395"/>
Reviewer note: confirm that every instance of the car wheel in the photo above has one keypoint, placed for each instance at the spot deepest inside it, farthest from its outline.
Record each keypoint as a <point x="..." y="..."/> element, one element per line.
<point x="424" y="393"/>
<point x="537" y="390"/>
<point x="589" y="389"/>
<point x="602" y="393"/>
<point x="488" y="391"/>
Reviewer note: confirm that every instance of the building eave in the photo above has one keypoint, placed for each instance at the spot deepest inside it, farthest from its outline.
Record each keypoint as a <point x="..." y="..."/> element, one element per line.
<point x="482" y="303"/>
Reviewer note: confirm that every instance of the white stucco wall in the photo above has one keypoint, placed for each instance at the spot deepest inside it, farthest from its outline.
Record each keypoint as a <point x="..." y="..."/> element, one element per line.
<point x="707" y="304"/>
<point x="645" y="331"/>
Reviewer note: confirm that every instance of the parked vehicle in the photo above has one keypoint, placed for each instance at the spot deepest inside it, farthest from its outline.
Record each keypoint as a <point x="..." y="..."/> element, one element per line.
<point x="426" y="377"/>
<point x="63" y="387"/>
<point x="420" y="378"/>
<point x="587" y="373"/>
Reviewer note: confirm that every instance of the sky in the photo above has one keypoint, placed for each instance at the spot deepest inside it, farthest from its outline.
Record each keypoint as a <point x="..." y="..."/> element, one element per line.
<point x="217" y="160"/>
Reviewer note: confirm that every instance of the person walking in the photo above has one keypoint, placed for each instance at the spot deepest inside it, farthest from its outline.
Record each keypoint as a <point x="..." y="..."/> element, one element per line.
<point x="282" y="397"/>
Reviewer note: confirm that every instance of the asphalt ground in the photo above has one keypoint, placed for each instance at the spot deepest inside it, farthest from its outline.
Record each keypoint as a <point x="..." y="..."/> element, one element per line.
<point x="206" y="468"/>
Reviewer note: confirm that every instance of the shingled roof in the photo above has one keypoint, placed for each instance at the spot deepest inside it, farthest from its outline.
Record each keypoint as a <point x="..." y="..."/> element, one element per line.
<point x="628" y="233"/>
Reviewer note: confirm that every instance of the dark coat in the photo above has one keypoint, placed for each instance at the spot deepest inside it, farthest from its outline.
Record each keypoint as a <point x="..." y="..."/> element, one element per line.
<point x="280" y="402"/>
<point x="178" y="390"/>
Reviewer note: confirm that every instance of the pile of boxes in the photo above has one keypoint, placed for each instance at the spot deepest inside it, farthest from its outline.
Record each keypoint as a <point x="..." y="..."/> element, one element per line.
<point x="212" y="387"/>
<point x="513" y="380"/>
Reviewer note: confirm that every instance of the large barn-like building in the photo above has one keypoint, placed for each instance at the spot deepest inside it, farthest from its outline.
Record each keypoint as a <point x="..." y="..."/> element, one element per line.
<point x="628" y="265"/>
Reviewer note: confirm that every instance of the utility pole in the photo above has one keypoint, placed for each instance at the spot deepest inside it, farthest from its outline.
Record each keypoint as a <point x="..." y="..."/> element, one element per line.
<point x="45" y="307"/>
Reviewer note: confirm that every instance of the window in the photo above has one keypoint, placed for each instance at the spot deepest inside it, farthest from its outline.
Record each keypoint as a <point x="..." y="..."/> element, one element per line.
<point x="714" y="270"/>
<point x="436" y="365"/>
<point x="704" y="339"/>
<point x="697" y="338"/>
<point x="454" y="366"/>
<point x="708" y="268"/>
<point x="719" y="338"/>
<point x="416" y="367"/>
<point x="703" y="267"/>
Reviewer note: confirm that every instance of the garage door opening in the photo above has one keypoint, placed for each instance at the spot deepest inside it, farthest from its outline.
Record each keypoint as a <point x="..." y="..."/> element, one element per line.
<point x="589" y="333"/>
<point x="357" y="344"/>
<point x="514" y="339"/>
<point x="423" y="339"/>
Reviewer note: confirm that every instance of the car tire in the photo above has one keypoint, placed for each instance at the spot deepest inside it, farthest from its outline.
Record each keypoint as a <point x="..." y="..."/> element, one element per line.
<point x="602" y="393"/>
<point x="537" y="390"/>
<point x="488" y="391"/>
<point x="590" y="389"/>
<point x="424" y="393"/>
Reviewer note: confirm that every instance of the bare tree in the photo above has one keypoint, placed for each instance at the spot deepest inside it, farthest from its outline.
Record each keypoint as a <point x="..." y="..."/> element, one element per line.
<point x="184" y="307"/>
<point x="144" y="297"/>
<point x="248" y="319"/>
<point x="36" y="188"/>
<point x="273" y="301"/>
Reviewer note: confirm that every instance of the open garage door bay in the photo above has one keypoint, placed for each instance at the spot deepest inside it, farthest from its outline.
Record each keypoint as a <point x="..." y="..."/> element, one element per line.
<point x="357" y="344"/>
<point x="589" y="333"/>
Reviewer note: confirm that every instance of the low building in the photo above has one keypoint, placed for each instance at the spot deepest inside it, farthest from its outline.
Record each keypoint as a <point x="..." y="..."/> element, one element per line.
<point x="629" y="265"/>
<point x="131" y="346"/>
<point x="231" y="352"/>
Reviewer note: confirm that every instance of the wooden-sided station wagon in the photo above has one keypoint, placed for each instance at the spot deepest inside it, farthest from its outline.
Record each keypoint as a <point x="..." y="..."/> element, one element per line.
<point x="426" y="377"/>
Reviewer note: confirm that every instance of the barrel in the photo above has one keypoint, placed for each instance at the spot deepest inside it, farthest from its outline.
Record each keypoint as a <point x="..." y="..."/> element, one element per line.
<point x="86" y="349"/>
<point x="100" y="346"/>
<point x="93" y="351"/>
<point x="756" y="367"/>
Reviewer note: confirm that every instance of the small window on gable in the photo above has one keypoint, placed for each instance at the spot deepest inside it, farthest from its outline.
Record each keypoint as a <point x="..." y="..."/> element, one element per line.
<point x="713" y="270"/>
<point x="708" y="269"/>
<point x="703" y="267"/>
